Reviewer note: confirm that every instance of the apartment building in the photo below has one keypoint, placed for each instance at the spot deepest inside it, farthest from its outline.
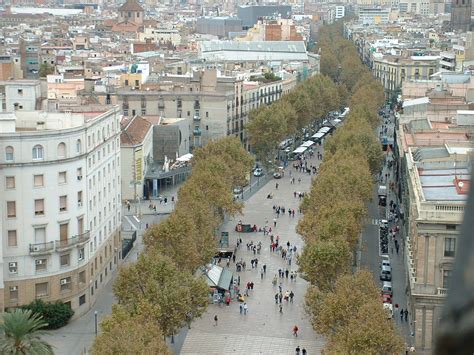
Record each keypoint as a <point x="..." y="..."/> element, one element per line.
<point x="60" y="202"/>
<point x="392" y="71"/>
<point x="434" y="165"/>
<point x="218" y="105"/>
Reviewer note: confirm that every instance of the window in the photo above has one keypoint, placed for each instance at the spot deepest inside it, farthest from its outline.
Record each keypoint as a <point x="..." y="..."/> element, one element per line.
<point x="451" y="227"/>
<point x="13" y="292"/>
<point x="38" y="180"/>
<point x="39" y="207"/>
<point x="446" y="278"/>
<point x="65" y="283"/>
<point x="63" y="232"/>
<point x="82" y="299"/>
<point x="78" y="146"/>
<point x="64" y="260"/>
<point x="79" y="199"/>
<point x="11" y="209"/>
<point x="80" y="254"/>
<point x="62" y="203"/>
<point x="10" y="181"/>
<point x="13" y="267"/>
<point x="20" y="91"/>
<point x="79" y="174"/>
<point x="62" y="177"/>
<point x="82" y="277"/>
<point x="9" y="154"/>
<point x="12" y="240"/>
<point x="41" y="289"/>
<point x="38" y="153"/>
<point x="449" y="247"/>
<point x="40" y="264"/>
<point x="61" y="150"/>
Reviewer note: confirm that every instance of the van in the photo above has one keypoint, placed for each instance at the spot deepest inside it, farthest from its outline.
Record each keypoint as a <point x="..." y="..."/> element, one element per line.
<point x="386" y="273"/>
<point x="389" y="309"/>
<point x="387" y="288"/>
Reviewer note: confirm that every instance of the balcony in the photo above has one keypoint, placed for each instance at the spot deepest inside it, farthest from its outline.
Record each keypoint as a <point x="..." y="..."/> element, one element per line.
<point x="41" y="248"/>
<point x="69" y="243"/>
<point x="197" y="117"/>
<point x="197" y="132"/>
<point x="442" y="291"/>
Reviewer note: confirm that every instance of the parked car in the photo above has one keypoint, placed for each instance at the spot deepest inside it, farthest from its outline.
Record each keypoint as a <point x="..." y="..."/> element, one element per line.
<point x="386" y="261"/>
<point x="389" y="309"/>
<point x="237" y="191"/>
<point x="386" y="273"/>
<point x="258" y="172"/>
<point x="386" y="298"/>
<point x="387" y="288"/>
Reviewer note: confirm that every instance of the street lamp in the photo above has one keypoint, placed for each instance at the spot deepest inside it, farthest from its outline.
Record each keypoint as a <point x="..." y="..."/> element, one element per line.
<point x="95" y="318"/>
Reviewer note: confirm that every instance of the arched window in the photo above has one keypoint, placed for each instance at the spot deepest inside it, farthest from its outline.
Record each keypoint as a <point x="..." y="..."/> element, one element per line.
<point x="78" y="146"/>
<point x="61" y="150"/>
<point x="38" y="153"/>
<point x="9" y="153"/>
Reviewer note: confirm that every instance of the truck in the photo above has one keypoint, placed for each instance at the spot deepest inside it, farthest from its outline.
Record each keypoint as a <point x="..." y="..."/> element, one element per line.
<point x="382" y="195"/>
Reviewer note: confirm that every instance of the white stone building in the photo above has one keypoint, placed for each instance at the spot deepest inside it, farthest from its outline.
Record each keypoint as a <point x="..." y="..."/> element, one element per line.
<point x="60" y="204"/>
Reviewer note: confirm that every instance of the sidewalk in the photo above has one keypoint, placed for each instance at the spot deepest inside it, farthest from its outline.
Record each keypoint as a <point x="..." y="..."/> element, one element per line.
<point x="263" y="330"/>
<point x="77" y="337"/>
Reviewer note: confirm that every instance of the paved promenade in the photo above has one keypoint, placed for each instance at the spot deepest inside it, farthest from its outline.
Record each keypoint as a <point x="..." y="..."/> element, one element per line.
<point x="264" y="330"/>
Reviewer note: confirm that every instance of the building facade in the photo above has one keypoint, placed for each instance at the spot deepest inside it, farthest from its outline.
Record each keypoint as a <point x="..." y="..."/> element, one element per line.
<point x="461" y="15"/>
<point x="60" y="198"/>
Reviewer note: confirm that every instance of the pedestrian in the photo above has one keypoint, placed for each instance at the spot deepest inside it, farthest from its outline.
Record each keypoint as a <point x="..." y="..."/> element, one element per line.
<point x="298" y="350"/>
<point x="406" y="315"/>
<point x="281" y="309"/>
<point x="295" y="330"/>
<point x="280" y="297"/>
<point x="303" y="351"/>
<point x="276" y="298"/>
<point x="276" y="186"/>
<point x="264" y="268"/>
<point x="241" y="308"/>
<point x="261" y="273"/>
<point x="299" y="180"/>
<point x="215" y="320"/>
<point x="245" y="308"/>
<point x="286" y="273"/>
<point x="291" y="296"/>
<point x="401" y="314"/>
<point x="274" y="222"/>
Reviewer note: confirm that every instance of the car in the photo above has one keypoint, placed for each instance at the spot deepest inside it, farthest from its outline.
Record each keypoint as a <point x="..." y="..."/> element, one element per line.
<point x="237" y="191"/>
<point x="389" y="309"/>
<point x="258" y="172"/>
<point x="386" y="261"/>
<point x="386" y="298"/>
<point x="386" y="273"/>
<point x="386" y="288"/>
<point x="277" y="175"/>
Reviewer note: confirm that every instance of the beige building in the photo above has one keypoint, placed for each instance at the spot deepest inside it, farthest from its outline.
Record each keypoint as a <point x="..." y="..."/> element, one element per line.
<point x="392" y="71"/>
<point x="218" y="105"/>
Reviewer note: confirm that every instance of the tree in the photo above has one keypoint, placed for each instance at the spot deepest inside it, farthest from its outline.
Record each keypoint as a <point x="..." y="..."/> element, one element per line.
<point x="55" y="314"/>
<point x="323" y="260"/>
<point x="368" y="331"/>
<point x="20" y="333"/>
<point x="122" y="333"/>
<point x="168" y="294"/>
<point x="45" y="70"/>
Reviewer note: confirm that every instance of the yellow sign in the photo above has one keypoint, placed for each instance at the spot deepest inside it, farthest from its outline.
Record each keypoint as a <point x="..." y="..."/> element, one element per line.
<point x="138" y="165"/>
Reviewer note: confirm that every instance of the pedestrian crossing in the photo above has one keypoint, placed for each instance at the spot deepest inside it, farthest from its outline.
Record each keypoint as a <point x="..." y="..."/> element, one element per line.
<point x="373" y="221"/>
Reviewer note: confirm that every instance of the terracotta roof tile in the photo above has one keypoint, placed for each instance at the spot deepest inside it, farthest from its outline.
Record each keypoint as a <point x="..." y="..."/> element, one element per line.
<point x="134" y="131"/>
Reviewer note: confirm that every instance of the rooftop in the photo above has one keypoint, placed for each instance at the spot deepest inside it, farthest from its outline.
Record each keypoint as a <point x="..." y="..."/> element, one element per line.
<point x="134" y="131"/>
<point x="131" y="5"/>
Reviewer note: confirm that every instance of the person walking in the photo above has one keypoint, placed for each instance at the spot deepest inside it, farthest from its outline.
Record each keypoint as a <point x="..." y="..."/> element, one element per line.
<point x="241" y="308"/>
<point x="291" y="296"/>
<point x="215" y="320"/>
<point x="276" y="298"/>
<point x="281" y="308"/>
<point x="245" y="308"/>
<point x="274" y="222"/>
<point x="261" y="273"/>
<point x="401" y="314"/>
<point x="295" y="330"/>
<point x="298" y="350"/>
<point x="303" y="351"/>
<point x="406" y="315"/>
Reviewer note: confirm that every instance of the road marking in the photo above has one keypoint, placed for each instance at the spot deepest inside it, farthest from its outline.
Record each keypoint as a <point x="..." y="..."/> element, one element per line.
<point x="131" y="223"/>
